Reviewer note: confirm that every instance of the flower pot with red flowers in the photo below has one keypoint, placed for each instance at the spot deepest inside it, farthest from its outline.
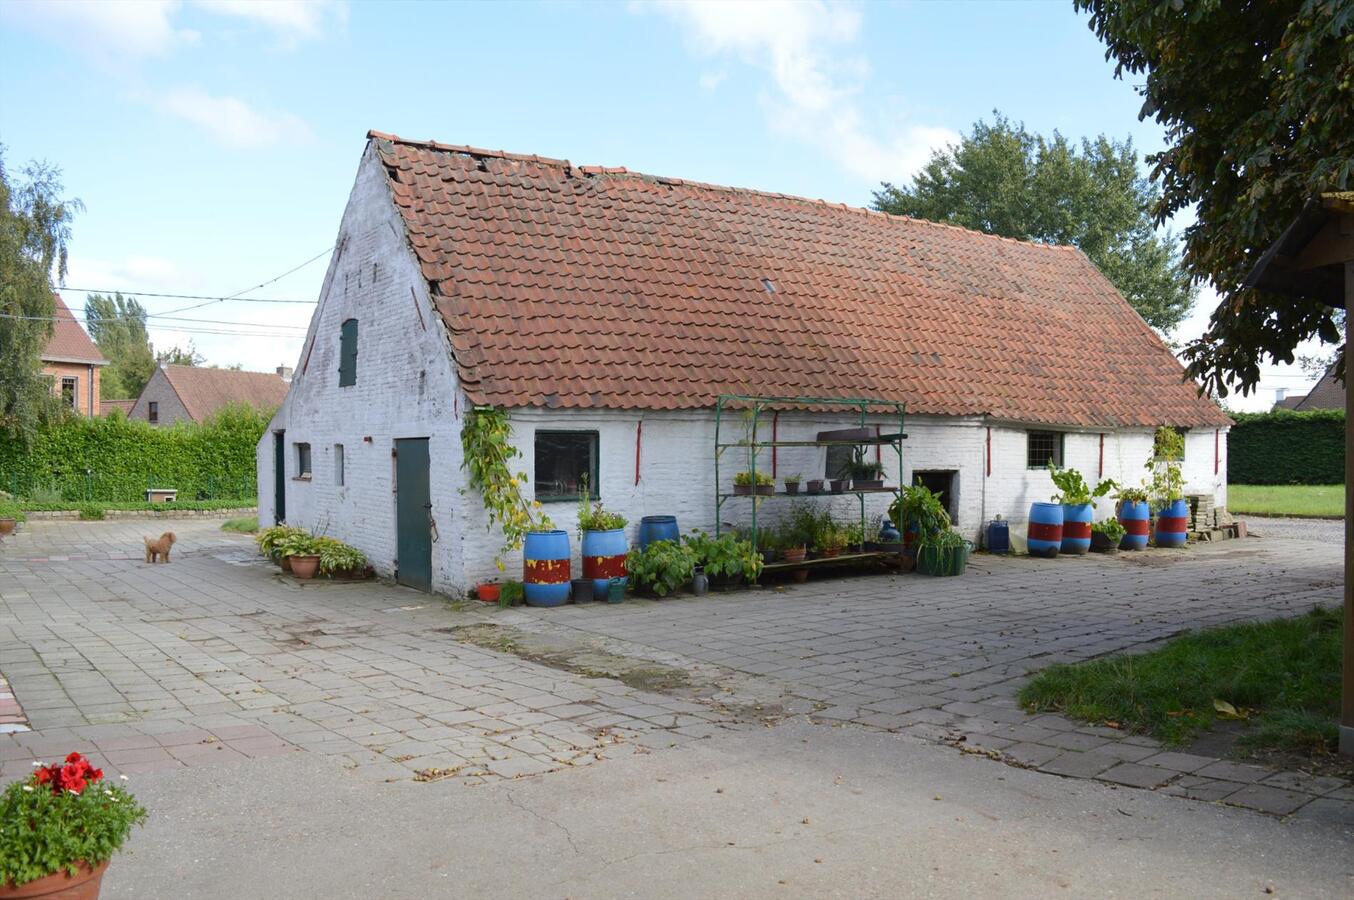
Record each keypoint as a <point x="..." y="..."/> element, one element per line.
<point x="59" y="828"/>
<point x="10" y="516"/>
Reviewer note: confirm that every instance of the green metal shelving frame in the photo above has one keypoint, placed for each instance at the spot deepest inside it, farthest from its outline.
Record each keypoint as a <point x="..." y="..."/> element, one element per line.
<point x="752" y="408"/>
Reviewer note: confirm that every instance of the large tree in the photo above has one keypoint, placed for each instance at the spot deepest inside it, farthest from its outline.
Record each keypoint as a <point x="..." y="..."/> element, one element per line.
<point x="34" y="232"/>
<point x="1257" y="99"/>
<point x="1004" y="180"/>
<point x="180" y="356"/>
<point x="118" y="326"/>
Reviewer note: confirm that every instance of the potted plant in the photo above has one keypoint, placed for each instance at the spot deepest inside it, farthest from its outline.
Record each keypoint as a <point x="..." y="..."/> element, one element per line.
<point x="604" y="543"/>
<point x="917" y="512"/>
<point x="814" y="486"/>
<point x="866" y="475"/>
<point x="10" y="516"/>
<point x="487" y="591"/>
<point x="745" y="483"/>
<point x="59" y="828"/>
<point x="792" y="484"/>
<point x="338" y="559"/>
<point x="726" y="559"/>
<point x="942" y="553"/>
<point x="1135" y="515"/>
<point x="662" y="567"/>
<point x="511" y="593"/>
<point x="831" y="539"/>
<point x="1078" y="503"/>
<point x="1167" y="488"/>
<point x="299" y="550"/>
<point x="1106" y="535"/>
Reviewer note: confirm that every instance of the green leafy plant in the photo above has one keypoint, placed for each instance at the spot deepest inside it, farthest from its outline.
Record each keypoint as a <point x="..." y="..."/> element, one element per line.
<point x="337" y="557"/>
<point x="854" y="535"/>
<point x="800" y="528"/>
<point x="1168" y="481"/>
<point x="10" y="509"/>
<point x="661" y="567"/>
<point x="831" y="538"/>
<point x="1074" y="489"/>
<point x="61" y="816"/>
<point x="241" y="525"/>
<point x="1132" y="494"/>
<point x="91" y="512"/>
<point x="487" y="457"/>
<point x="511" y="593"/>
<point x="858" y="467"/>
<point x="793" y="479"/>
<point x="270" y="539"/>
<point x="747" y="479"/>
<point x="297" y="542"/>
<point x="918" y="508"/>
<point x="945" y="539"/>
<point x="1110" y="528"/>
<point x="727" y="556"/>
<point x="592" y="517"/>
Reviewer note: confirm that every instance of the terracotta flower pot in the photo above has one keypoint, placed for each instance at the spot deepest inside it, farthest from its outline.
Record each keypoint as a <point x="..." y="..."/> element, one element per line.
<point x="800" y="575"/>
<point x="285" y="564"/>
<point x="7" y="526"/>
<point x="488" y="592"/>
<point x="830" y="552"/>
<point x="84" y="885"/>
<point x="794" y="555"/>
<point x="305" y="567"/>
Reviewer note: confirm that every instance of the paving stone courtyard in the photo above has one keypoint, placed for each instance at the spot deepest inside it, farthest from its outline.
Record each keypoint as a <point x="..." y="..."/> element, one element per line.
<point x="217" y="657"/>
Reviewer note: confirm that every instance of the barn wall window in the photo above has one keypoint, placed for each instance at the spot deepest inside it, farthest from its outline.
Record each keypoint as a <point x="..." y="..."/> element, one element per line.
<point x="1042" y="448"/>
<point x="565" y="461"/>
<point x="70" y="391"/>
<point x="302" y="460"/>
<point x="348" y="353"/>
<point x="338" y="465"/>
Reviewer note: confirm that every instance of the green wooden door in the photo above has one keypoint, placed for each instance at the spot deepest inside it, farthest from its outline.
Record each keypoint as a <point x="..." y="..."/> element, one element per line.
<point x="279" y="477"/>
<point x="413" y="515"/>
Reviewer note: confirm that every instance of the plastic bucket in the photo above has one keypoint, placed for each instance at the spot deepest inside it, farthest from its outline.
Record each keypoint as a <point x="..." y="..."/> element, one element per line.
<point x="1045" y="533"/>
<point x="658" y="528"/>
<point x="1173" y="524"/>
<point x="1077" y="519"/>
<point x="545" y="568"/>
<point x="604" y="557"/>
<point x="1135" y="516"/>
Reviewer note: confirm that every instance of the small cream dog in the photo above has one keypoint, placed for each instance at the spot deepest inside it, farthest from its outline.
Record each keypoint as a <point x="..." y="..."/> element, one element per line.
<point x="159" y="547"/>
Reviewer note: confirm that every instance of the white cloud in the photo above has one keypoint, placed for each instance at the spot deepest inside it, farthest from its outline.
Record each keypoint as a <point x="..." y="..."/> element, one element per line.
<point x="712" y="80"/>
<point x="105" y="28"/>
<point x="292" y="19"/>
<point x="805" y="47"/>
<point x="232" y="121"/>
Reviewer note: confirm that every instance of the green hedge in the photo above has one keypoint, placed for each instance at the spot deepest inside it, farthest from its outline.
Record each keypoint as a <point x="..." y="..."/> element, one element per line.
<point x="114" y="459"/>
<point x="1286" y="447"/>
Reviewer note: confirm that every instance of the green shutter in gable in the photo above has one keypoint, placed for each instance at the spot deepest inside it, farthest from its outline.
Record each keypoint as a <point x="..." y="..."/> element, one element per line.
<point x="348" y="353"/>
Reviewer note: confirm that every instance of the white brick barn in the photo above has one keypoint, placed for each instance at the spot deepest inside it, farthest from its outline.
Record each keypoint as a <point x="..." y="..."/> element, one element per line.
<point x="606" y="310"/>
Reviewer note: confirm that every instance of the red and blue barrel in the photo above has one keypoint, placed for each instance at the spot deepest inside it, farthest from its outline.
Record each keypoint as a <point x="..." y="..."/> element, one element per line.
<point x="1077" y="518"/>
<point x="1045" y="533"/>
<point x="1173" y="524"/>
<point x="658" y="528"/>
<point x="604" y="558"/>
<point x="545" y="568"/>
<point x="1135" y="516"/>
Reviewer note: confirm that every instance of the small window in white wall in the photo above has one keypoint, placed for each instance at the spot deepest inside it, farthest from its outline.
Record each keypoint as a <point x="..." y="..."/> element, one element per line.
<point x="565" y="462"/>
<point x="338" y="465"/>
<point x="1042" y="448"/>
<point x="302" y="460"/>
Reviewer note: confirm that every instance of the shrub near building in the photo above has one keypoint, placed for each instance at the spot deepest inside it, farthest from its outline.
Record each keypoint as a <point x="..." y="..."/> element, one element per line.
<point x="1287" y="447"/>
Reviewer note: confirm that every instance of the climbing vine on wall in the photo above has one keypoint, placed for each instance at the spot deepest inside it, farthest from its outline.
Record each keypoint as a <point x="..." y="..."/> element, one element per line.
<point x="488" y="453"/>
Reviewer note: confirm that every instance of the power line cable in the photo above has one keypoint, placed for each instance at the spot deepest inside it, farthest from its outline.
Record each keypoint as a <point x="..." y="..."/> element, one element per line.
<point x="138" y="294"/>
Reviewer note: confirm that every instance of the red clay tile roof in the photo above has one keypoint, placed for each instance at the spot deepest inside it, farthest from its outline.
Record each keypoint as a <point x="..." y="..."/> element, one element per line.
<point x="203" y="391"/>
<point x="107" y="406"/>
<point x="588" y="287"/>
<point x="68" y="342"/>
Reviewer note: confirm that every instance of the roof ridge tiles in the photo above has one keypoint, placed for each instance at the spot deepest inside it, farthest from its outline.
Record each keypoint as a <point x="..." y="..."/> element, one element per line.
<point x="598" y="170"/>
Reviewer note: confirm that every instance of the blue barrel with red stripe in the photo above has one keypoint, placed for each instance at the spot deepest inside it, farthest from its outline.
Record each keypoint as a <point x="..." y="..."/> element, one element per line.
<point x="604" y="558"/>
<point x="1135" y="516"/>
<point x="546" y="568"/>
<point x="658" y="528"/>
<point x="1173" y="524"/>
<point x="1045" y="534"/>
<point x="1077" y="518"/>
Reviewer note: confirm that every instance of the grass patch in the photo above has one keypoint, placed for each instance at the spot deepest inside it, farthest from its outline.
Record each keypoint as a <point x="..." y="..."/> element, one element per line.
<point x="92" y="512"/>
<point x="1310" y="500"/>
<point x="243" y="525"/>
<point x="1283" y="676"/>
<point x="189" y="505"/>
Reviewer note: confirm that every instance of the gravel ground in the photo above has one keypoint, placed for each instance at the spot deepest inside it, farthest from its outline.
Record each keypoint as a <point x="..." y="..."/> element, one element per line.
<point x="1332" y="530"/>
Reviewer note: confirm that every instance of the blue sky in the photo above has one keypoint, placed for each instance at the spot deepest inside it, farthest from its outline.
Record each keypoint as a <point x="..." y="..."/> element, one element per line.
<point x="214" y="141"/>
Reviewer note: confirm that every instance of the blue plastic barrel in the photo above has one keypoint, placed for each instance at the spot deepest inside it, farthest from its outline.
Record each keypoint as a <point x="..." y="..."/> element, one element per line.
<point x="546" y="568"/>
<point x="658" y="528"/>
<point x="1135" y="516"/>
<point x="1173" y="524"/>
<point x="1077" y="518"/>
<point x="1045" y="534"/>
<point x="604" y="558"/>
<point x="998" y="536"/>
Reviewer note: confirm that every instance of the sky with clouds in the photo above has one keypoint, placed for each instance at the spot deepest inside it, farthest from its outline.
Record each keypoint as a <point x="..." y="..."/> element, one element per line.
<point x="214" y="142"/>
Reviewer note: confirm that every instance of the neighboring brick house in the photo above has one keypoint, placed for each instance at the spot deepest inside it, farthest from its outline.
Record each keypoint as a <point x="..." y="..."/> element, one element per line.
<point x="108" y="407"/>
<point x="1328" y="393"/>
<point x="73" y="362"/>
<point x="606" y="311"/>
<point x="192" y="393"/>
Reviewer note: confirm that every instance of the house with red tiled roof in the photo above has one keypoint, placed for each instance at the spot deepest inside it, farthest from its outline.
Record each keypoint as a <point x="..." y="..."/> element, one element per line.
<point x="607" y="311"/>
<point x="72" y="361"/>
<point x="1328" y="393"/>
<point x="192" y="393"/>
